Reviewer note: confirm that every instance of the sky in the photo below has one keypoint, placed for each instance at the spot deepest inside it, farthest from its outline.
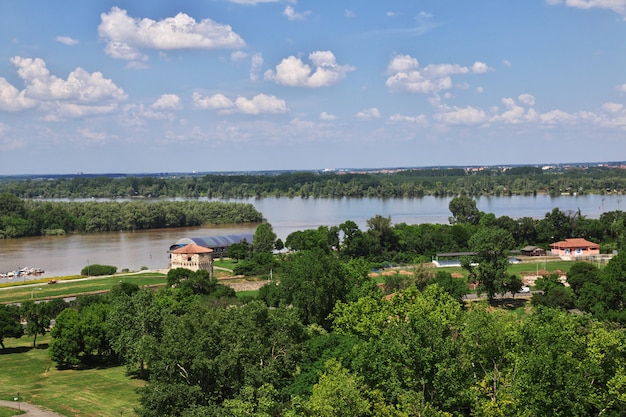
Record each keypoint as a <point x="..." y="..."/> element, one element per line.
<point x="246" y="85"/>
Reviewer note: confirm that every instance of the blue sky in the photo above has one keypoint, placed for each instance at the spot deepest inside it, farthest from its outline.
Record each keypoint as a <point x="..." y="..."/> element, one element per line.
<point x="222" y="85"/>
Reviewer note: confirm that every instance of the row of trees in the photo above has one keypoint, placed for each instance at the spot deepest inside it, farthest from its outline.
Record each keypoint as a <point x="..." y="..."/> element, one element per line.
<point x="34" y="218"/>
<point x="405" y="183"/>
<point x="326" y="342"/>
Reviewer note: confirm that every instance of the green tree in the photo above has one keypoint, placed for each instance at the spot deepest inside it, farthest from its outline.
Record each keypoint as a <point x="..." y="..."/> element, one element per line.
<point x="67" y="344"/>
<point x="37" y="318"/>
<point x="264" y="239"/>
<point x="464" y="210"/>
<point x="10" y="325"/>
<point x="488" y="267"/>
<point x="338" y="393"/>
<point x="312" y="282"/>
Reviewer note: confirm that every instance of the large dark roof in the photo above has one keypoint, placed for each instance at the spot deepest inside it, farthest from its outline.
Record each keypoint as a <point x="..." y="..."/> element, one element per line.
<point x="213" y="241"/>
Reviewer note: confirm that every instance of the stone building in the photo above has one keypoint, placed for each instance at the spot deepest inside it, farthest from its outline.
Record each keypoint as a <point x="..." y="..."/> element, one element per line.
<point x="193" y="257"/>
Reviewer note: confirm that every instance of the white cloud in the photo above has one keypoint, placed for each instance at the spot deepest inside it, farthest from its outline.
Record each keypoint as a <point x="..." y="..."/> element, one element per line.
<point x="291" y="13"/>
<point x="462" y="116"/>
<point x="557" y="117"/>
<point x="405" y="75"/>
<point x="215" y="102"/>
<point x="349" y="13"/>
<point x="527" y="99"/>
<point x="622" y="88"/>
<point x="506" y="63"/>
<point x="12" y="100"/>
<point x="82" y="94"/>
<point x="612" y="107"/>
<point x="167" y="101"/>
<point x="514" y="113"/>
<point x="293" y="72"/>
<point x="238" y="56"/>
<point x="66" y="40"/>
<point x="372" y="113"/>
<point x="618" y="6"/>
<point x="256" y="62"/>
<point x="327" y="116"/>
<point x="259" y="104"/>
<point x="80" y="85"/>
<point x="126" y="36"/>
<point x="420" y="119"/>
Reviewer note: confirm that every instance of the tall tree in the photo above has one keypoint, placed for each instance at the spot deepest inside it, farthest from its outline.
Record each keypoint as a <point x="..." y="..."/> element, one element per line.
<point x="264" y="239"/>
<point x="37" y="318"/>
<point x="10" y="325"/>
<point x="464" y="210"/>
<point x="488" y="266"/>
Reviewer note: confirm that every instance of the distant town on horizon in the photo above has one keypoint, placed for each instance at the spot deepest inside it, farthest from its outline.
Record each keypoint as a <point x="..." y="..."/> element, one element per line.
<point x="381" y="170"/>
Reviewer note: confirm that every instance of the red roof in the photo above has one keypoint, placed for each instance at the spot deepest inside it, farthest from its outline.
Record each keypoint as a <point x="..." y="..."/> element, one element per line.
<point x="575" y="243"/>
<point x="191" y="249"/>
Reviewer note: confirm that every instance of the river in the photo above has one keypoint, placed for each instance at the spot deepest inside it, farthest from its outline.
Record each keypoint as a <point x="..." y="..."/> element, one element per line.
<point x="67" y="255"/>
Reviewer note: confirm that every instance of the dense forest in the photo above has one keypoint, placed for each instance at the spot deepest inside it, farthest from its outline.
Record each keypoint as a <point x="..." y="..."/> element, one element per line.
<point x="322" y="339"/>
<point x="398" y="183"/>
<point x="20" y="218"/>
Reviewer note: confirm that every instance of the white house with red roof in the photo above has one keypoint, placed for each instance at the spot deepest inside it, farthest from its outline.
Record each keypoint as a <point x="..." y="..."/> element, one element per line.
<point x="569" y="248"/>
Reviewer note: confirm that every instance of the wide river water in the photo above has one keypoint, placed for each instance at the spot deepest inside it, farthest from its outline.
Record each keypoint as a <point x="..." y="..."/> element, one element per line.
<point x="67" y="255"/>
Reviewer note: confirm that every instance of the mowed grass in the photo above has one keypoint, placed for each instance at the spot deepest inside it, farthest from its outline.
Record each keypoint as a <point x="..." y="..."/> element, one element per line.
<point x="90" y="392"/>
<point x="76" y="287"/>
<point x="10" y="412"/>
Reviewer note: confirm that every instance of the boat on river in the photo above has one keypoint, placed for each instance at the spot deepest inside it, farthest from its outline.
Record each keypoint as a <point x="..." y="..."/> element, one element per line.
<point x="18" y="273"/>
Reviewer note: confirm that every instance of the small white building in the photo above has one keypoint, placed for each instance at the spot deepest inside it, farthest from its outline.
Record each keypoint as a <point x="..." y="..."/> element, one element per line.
<point x="193" y="257"/>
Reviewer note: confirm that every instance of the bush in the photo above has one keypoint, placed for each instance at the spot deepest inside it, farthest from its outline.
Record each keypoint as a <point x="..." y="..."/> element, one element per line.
<point x="98" y="270"/>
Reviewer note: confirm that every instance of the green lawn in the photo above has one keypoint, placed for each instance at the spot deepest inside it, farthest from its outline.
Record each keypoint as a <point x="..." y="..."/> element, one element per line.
<point x="102" y="391"/>
<point x="74" y="287"/>
<point x="10" y="412"/>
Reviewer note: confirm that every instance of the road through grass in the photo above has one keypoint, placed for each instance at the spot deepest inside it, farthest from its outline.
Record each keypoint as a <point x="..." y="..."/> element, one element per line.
<point x="67" y="288"/>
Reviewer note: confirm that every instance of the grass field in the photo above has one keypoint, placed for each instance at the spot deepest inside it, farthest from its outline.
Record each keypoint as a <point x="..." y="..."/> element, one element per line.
<point x="9" y="412"/>
<point x="91" y="392"/>
<point x="73" y="287"/>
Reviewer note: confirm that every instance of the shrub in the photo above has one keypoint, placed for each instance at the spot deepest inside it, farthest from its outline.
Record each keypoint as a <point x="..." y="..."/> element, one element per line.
<point x="98" y="270"/>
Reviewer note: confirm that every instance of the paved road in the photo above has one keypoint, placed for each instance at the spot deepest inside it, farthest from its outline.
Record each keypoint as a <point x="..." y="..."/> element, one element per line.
<point x="31" y="410"/>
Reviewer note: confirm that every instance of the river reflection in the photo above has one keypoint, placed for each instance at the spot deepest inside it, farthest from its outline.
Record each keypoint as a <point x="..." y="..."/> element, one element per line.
<point x="67" y="255"/>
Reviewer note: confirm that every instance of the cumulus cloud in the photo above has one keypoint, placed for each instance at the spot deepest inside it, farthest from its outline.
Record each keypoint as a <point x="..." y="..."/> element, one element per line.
<point x="13" y="100"/>
<point x="66" y="40"/>
<point x="420" y="119"/>
<point x="327" y="116"/>
<point x="293" y="72"/>
<point x="82" y="93"/>
<point x="527" y="99"/>
<point x="622" y="88"/>
<point x="618" y="6"/>
<point x="405" y="74"/>
<point x="462" y="116"/>
<point x="125" y="36"/>
<point x="515" y="113"/>
<point x="80" y="84"/>
<point x="259" y="104"/>
<point x="557" y="117"/>
<point x="372" y="113"/>
<point x="167" y="102"/>
<point x="612" y="107"/>
<point x="291" y="13"/>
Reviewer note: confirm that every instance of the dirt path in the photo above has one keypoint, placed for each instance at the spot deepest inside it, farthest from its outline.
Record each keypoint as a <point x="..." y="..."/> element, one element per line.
<point x="31" y="410"/>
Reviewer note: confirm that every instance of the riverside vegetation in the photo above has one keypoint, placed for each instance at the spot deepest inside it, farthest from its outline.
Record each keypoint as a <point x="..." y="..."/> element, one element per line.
<point x="519" y="180"/>
<point x="322" y="339"/>
<point x="20" y="218"/>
